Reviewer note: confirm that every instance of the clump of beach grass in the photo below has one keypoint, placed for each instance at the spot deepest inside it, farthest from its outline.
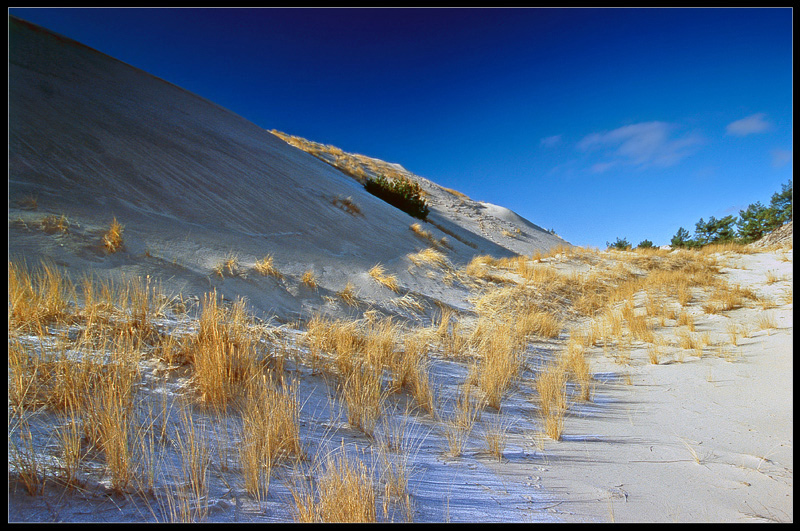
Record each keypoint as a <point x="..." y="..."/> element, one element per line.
<point x="378" y="272"/>
<point x="309" y="279"/>
<point x="266" y="267"/>
<point x="348" y="294"/>
<point x="344" y="492"/>
<point x="551" y="387"/>
<point x="52" y="224"/>
<point x="112" y="239"/>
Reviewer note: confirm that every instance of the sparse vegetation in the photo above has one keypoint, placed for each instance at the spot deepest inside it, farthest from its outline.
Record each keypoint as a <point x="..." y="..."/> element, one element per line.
<point x="266" y="267"/>
<point x="347" y="204"/>
<point x="309" y="279"/>
<point x="400" y="192"/>
<point x="112" y="239"/>
<point x="378" y="272"/>
<point x="232" y="367"/>
<point x="227" y="266"/>
<point x="52" y="224"/>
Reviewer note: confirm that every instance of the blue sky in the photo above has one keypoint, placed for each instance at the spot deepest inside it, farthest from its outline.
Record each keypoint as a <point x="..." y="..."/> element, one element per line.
<point x="598" y="123"/>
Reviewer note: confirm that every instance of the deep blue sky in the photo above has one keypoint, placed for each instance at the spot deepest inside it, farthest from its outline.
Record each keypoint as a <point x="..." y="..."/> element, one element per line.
<point x="598" y="123"/>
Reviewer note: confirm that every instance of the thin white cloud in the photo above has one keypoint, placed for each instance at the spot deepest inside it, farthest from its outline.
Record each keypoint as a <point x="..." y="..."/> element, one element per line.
<point x="753" y="124"/>
<point x="550" y="141"/>
<point x="600" y="167"/>
<point x="643" y="144"/>
<point x="781" y="157"/>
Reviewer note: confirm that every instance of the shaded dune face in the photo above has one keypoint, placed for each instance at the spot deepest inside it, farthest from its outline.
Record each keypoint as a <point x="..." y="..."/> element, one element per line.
<point x="92" y="139"/>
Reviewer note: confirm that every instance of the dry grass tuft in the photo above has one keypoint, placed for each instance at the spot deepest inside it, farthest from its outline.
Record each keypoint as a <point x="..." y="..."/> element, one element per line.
<point x="348" y="294"/>
<point x="266" y="267"/>
<point x="270" y="432"/>
<point x="766" y="321"/>
<point x="225" y="352"/>
<point x="417" y="229"/>
<point x="112" y="239"/>
<point x="495" y="435"/>
<point x="429" y="256"/>
<point x="347" y="204"/>
<point x="227" y="266"/>
<point x="345" y="493"/>
<point x="37" y="298"/>
<point x="29" y="202"/>
<point x="467" y="411"/>
<point x="378" y="272"/>
<point x="577" y="366"/>
<point x="551" y="386"/>
<point x="52" y="224"/>
<point x="309" y="279"/>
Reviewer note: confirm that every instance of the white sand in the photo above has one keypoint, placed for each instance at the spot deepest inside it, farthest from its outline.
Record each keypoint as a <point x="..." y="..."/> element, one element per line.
<point x="704" y="439"/>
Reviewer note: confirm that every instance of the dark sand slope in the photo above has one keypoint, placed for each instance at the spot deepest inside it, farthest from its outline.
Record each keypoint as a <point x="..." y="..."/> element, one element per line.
<point x="93" y="138"/>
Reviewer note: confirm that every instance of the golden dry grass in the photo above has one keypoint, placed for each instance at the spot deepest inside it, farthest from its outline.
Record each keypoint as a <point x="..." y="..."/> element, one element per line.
<point x="309" y="279"/>
<point x="266" y="267"/>
<point x="344" y="492"/>
<point x="378" y="273"/>
<point x="551" y="387"/>
<point x="227" y="266"/>
<point x="426" y="235"/>
<point x="495" y="436"/>
<point x="467" y="410"/>
<point x="29" y="202"/>
<point x="270" y="432"/>
<point x="112" y="239"/>
<point x="52" y="224"/>
<point x="224" y="353"/>
<point x="429" y="256"/>
<point x="231" y="364"/>
<point x="348" y="294"/>
<point x="39" y="297"/>
<point x="576" y="363"/>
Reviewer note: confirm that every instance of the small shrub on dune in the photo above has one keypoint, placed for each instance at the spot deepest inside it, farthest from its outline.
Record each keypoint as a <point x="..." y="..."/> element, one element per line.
<point x="400" y="192"/>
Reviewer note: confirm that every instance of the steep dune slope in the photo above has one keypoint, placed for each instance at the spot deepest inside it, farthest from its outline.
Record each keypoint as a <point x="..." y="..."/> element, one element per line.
<point x="92" y="139"/>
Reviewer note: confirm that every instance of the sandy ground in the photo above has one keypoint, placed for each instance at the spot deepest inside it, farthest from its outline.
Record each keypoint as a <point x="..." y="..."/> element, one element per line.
<point x="691" y="439"/>
<point x="704" y="440"/>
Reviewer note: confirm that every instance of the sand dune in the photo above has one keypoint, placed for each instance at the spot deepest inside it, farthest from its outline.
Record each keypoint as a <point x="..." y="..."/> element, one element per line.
<point x="93" y="138"/>
<point x="689" y="412"/>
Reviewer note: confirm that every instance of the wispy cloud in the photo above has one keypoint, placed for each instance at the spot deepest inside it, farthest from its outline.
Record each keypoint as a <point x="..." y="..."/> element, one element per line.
<point x="753" y="124"/>
<point x="644" y="144"/>
<point x="550" y="141"/>
<point x="781" y="157"/>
